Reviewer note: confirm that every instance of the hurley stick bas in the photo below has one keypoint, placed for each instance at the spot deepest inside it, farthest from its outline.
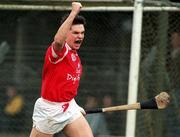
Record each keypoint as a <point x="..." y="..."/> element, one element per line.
<point x="160" y="101"/>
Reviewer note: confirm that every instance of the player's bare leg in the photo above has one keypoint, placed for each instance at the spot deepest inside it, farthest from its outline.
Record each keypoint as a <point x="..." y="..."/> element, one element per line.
<point x="36" y="133"/>
<point x="78" y="128"/>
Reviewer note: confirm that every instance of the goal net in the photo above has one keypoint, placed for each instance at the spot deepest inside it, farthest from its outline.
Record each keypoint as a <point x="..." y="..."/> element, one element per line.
<point x="159" y="68"/>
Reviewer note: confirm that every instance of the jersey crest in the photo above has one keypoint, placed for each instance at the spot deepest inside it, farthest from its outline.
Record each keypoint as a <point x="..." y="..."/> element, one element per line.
<point x="73" y="57"/>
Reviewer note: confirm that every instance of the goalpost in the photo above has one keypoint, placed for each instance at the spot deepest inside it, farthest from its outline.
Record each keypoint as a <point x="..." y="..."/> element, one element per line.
<point x="134" y="67"/>
<point x="139" y="8"/>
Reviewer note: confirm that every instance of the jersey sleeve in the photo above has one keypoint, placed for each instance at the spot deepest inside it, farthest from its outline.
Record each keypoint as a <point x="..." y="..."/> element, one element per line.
<point x="56" y="56"/>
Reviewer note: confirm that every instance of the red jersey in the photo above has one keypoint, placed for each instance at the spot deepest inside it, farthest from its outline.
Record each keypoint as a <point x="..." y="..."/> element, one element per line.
<point x="61" y="74"/>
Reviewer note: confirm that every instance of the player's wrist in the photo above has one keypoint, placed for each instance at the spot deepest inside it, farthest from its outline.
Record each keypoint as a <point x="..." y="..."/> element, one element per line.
<point x="74" y="13"/>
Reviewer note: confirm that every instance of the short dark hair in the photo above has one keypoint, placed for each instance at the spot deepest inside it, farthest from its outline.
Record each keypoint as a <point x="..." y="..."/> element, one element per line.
<point x="79" y="19"/>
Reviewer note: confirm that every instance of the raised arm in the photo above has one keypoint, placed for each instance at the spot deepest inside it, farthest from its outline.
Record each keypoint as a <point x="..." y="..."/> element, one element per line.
<point x="60" y="36"/>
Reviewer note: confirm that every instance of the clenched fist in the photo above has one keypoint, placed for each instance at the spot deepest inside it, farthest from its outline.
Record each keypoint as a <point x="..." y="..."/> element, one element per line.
<point x="76" y="7"/>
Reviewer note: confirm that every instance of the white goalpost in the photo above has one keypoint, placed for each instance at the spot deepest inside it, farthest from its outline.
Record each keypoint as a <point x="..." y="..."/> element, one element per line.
<point x="139" y="8"/>
<point x="134" y="67"/>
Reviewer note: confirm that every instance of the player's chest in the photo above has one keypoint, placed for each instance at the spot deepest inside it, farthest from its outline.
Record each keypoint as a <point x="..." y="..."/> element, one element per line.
<point x="72" y="63"/>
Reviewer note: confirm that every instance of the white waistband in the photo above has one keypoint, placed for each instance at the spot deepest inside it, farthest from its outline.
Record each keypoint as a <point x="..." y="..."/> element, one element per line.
<point x="55" y="103"/>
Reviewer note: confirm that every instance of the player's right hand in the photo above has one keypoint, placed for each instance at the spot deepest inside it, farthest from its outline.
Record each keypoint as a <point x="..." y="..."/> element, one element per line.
<point x="76" y="7"/>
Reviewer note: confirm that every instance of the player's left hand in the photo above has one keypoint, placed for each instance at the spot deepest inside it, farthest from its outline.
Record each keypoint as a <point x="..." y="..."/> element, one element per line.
<point x="82" y="111"/>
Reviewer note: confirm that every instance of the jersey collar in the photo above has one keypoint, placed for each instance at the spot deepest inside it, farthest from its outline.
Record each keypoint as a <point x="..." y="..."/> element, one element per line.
<point x="69" y="48"/>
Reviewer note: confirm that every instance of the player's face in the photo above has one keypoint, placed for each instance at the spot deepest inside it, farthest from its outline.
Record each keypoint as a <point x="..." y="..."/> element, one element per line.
<point x="75" y="36"/>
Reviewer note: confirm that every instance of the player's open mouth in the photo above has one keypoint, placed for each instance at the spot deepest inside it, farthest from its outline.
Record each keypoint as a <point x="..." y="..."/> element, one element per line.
<point x="78" y="41"/>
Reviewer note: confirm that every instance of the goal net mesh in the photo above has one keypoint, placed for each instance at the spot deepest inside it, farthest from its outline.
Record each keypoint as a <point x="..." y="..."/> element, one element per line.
<point x="159" y="70"/>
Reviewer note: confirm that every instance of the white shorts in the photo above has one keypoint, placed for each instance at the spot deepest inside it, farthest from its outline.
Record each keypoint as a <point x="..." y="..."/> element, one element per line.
<point x="52" y="117"/>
